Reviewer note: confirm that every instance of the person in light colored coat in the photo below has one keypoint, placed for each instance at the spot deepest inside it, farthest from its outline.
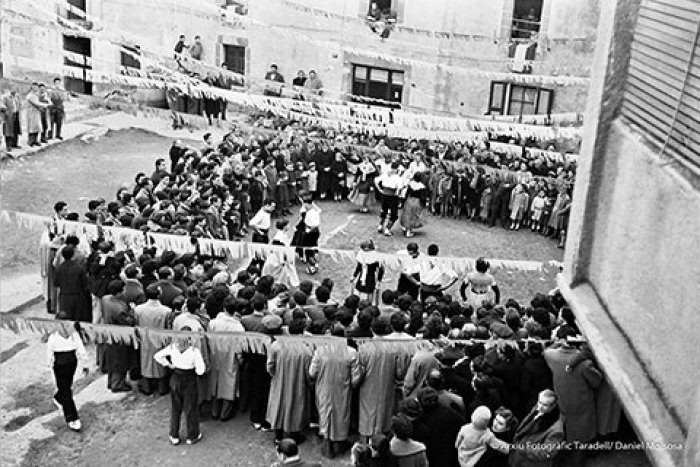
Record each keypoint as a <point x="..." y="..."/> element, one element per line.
<point x="334" y="369"/>
<point x="35" y="107"/>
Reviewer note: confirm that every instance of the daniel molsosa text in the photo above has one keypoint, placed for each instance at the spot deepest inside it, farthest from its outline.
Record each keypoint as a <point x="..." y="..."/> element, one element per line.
<point x="596" y="446"/>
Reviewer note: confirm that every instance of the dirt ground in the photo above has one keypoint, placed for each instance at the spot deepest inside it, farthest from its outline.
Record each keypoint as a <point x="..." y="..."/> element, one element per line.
<point x="76" y="172"/>
<point x="132" y="429"/>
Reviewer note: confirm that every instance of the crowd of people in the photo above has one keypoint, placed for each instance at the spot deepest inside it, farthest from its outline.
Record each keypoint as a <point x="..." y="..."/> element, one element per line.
<point x="503" y="384"/>
<point x="44" y="113"/>
<point x="216" y="190"/>
<point x="511" y="369"/>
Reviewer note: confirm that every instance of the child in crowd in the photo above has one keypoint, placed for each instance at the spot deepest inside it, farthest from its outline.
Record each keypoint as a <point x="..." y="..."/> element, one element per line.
<point x="445" y="194"/>
<point x="538" y="205"/>
<point x="312" y="178"/>
<point x="518" y="206"/>
<point x="475" y="437"/>
<point x="485" y="203"/>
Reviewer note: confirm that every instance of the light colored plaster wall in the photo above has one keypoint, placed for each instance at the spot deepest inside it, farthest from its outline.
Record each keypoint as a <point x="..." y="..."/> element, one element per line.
<point x="311" y="42"/>
<point x="459" y="16"/>
<point x="572" y="18"/>
<point x="645" y="263"/>
<point x="29" y="49"/>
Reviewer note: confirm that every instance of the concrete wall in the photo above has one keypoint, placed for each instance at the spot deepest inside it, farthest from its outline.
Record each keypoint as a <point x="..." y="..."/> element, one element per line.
<point x="645" y="263"/>
<point x="632" y="263"/>
<point x="295" y="40"/>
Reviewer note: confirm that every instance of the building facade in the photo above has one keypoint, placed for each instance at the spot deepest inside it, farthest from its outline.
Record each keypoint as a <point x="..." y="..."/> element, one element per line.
<point x="632" y="263"/>
<point x="436" y="57"/>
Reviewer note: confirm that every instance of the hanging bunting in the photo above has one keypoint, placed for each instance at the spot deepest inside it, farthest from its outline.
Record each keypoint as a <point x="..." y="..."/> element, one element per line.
<point x="239" y="250"/>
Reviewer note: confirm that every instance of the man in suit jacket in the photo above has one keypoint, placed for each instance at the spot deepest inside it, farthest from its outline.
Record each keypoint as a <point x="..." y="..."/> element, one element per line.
<point x="539" y="436"/>
<point x="133" y="291"/>
<point x="71" y="280"/>
<point x="119" y="358"/>
<point x="273" y="75"/>
<point x="168" y="290"/>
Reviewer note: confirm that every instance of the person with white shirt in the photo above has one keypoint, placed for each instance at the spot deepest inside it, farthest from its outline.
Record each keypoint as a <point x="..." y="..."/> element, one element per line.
<point x="308" y="233"/>
<point x="261" y="222"/>
<point x="434" y="279"/>
<point x="409" y="278"/>
<point x="190" y="317"/>
<point x="389" y="185"/>
<point x="64" y="350"/>
<point x="187" y="363"/>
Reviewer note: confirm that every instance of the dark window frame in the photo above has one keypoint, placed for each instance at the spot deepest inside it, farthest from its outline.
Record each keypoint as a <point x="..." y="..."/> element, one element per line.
<point x="241" y="58"/>
<point x="508" y="89"/>
<point x="126" y="60"/>
<point x="390" y="86"/>
<point x="523" y="29"/>
<point x="369" y="6"/>
<point x="500" y="108"/>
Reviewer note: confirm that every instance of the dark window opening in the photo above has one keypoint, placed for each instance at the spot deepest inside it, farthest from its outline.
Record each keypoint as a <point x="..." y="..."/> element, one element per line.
<point x="377" y="7"/>
<point x="521" y="100"/>
<point x="80" y="5"/>
<point x="527" y="15"/>
<point x="378" y="83"/>
<point x="81" y="46"/>
<point x="129" y="57"/>
<point x="234" y="58"/>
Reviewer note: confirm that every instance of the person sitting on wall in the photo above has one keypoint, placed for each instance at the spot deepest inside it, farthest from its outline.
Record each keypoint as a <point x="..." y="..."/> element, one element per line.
<point x="273" y="75"/>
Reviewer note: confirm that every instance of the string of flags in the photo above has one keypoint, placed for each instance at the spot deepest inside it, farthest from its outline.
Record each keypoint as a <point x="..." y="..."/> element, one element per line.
<point x="209" y="342"/>
<point x="120" y="39"/>
<point x="127" y="238"/>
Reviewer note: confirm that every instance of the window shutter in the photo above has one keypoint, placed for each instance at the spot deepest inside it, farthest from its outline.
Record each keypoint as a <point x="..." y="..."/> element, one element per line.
<point x="662" y="95"/>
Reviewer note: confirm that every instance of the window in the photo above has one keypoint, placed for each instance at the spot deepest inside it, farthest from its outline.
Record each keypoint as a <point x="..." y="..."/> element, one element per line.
<point x="379" y="83"/>
<point x="497" y="101"/>
<point x="79" y="5"/>
<point x="234" y="58"/>
<point x="78" y="46"/>
<point x="527" y="15"/>
<point x="662" y="95"/>
<point x="376" y="7"/>
<point x="512" y="99"/>
<point x="128" y="57"/>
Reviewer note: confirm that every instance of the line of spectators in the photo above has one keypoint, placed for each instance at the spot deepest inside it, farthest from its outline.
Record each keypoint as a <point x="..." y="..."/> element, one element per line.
<point x="44" y="113"/>
<point x="524" y="398"/>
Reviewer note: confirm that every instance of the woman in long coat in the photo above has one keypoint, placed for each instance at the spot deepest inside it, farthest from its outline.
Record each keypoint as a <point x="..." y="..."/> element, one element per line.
<point x="334" y="368"/>
<point x="288" y="365"/>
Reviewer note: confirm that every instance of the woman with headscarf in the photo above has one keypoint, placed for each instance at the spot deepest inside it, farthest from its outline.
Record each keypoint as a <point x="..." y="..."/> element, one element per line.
<point x="363" y="184"/>
<point x="416" y="195"/>
<point x="368" y="272"/>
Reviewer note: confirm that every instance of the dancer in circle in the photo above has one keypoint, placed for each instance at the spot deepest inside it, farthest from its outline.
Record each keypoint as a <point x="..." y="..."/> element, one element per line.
<point x="307" y="234"/>
<point x="366" y="172"/>
<point x="479" y="287"/>
<point x="416" y="195"/>
<point x="369" y="272"/>
<point x="389" y="184"/>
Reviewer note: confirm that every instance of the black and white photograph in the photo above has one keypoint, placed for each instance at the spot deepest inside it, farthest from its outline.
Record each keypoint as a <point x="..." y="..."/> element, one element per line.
<point x="350" y="233"/>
